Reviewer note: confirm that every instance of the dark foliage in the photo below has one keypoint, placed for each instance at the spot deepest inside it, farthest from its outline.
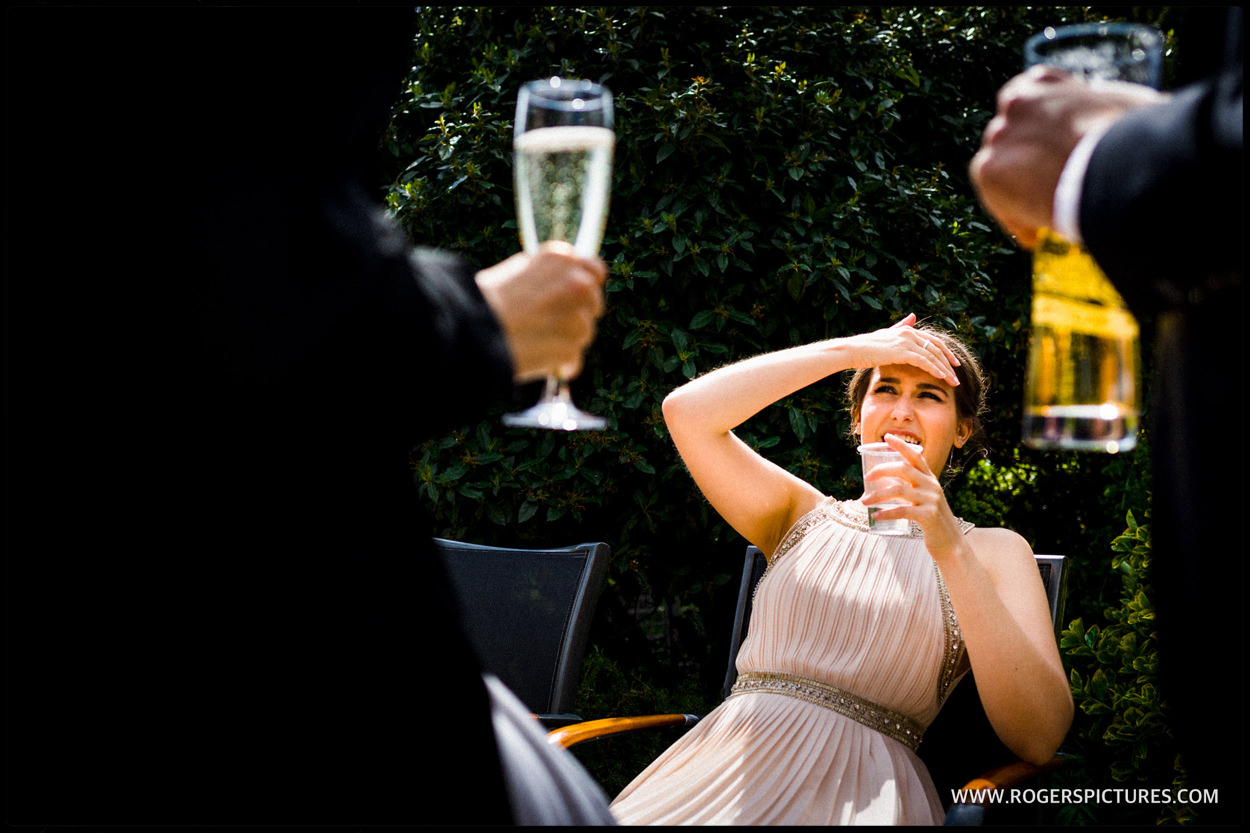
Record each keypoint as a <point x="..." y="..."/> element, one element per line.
<point x="782" y="175"/>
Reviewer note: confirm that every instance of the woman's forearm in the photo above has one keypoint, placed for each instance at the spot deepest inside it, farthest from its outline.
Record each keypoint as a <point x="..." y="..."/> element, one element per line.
<point x="721" y="400"/>
<point x="1019" y="674"/>
<point x="727" y="397"/>
<point x="702" y="414"/>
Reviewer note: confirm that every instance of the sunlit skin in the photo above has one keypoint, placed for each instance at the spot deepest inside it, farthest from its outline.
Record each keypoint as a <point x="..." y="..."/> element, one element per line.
<point x="990" y="574"/>
<point x="914" y="406"/>
<point x="547" y="306"/>
<point x="1042" y="114"/>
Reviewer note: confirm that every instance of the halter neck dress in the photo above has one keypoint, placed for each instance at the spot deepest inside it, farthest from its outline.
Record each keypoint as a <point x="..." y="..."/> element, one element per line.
<point x="852" y="648"/>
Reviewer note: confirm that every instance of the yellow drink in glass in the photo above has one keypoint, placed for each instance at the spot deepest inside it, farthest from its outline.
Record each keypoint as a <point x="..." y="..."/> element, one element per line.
<point x="1082" y="389"/>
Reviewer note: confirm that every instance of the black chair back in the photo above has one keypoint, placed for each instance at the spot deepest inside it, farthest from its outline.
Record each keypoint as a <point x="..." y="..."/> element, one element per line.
<point x="528" y="613"/>
<point x="1055" y="579"/>
<point x="753" y="567"/>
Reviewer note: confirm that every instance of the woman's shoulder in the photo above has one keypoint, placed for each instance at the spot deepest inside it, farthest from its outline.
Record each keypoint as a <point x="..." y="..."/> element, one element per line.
<point x="996" y="546"/>
<point x="998" y="536"/>
<point x="810" y="514"/>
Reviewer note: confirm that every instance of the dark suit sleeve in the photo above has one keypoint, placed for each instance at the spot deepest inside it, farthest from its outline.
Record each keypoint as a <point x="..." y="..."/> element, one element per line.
<point x="1161" y="212"/>
<point x="402" y="330"/>
<point x="1161" y="206"/>
<point x="475" y="367"/>
<point x="221" y="602"/>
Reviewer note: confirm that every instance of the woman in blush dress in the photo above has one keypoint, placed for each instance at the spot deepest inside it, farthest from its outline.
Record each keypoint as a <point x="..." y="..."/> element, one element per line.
<point x="856" y="638"/>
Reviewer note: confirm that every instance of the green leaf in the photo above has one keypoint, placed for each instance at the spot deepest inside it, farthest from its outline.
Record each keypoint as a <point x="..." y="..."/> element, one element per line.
<point x="797" y="423"/>
<point x="498" y="514"/>
<point x="701" y="319"/>
<point x="795" y="285"/>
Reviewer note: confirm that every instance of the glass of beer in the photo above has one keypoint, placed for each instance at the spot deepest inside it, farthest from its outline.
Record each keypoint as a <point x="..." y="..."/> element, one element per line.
<point x="562" y="150"/>
<point x="1082" y="385"/>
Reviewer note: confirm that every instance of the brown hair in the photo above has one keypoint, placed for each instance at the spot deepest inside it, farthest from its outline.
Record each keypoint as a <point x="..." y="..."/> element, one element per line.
<point x="969" y="395"/>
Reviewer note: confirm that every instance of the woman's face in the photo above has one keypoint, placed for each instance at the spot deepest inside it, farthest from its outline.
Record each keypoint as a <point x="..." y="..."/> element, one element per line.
<point x="914" y="406"/>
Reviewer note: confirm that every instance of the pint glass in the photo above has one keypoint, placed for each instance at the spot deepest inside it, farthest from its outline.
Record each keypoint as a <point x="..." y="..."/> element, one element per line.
<point x="1082" y="388"/>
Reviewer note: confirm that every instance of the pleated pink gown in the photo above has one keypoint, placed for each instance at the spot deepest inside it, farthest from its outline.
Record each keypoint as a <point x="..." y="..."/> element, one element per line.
<point x="846" y="624"/>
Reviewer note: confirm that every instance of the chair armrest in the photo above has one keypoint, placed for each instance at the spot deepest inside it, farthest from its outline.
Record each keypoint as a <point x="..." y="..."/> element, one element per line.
<point x="975" y="796"/>
<point x="554" y="721"/>
<point x="1010" y="775"/>
<point x="589" y="730"/>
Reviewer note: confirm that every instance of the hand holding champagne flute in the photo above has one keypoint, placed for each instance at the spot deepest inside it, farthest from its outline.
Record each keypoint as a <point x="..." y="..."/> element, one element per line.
<point x="563" y="145"/>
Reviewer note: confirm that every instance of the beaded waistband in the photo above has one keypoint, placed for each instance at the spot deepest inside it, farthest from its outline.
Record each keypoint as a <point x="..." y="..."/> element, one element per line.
<point x="890" y="723"/>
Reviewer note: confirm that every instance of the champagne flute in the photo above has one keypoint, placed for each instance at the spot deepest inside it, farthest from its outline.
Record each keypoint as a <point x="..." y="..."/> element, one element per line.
<point x="1082" y="386"/>
<point x="562" y="145"/>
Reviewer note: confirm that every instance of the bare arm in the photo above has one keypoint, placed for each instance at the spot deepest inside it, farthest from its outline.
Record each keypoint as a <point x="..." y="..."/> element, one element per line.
<point x="759" y="499"/>
<point x="1003" y="613"/>
<point x="994" y="586"/>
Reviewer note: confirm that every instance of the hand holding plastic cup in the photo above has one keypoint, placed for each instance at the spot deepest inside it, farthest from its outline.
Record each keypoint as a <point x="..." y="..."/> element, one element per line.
<point x="873" y="455"/>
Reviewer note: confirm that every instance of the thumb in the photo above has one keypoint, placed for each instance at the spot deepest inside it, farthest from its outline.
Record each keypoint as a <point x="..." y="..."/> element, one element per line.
<point x="1024" y="236"/>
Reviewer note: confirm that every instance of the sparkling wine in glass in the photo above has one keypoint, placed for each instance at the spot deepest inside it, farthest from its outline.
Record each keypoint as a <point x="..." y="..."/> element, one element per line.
<point x="562" y="148"/>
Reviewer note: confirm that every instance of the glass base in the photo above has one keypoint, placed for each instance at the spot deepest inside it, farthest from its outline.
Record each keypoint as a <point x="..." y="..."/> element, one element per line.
<point x="1106" y="428"/>
<point x="896" y="526"/>
<point x="556" y="415"/>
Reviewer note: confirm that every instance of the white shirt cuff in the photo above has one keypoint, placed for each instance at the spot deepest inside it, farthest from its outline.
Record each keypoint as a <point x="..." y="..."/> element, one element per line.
<point x="1066" y="210"/>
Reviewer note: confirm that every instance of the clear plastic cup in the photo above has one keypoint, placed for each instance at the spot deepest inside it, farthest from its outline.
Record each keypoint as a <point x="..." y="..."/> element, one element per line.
<point x="873" y="455"/>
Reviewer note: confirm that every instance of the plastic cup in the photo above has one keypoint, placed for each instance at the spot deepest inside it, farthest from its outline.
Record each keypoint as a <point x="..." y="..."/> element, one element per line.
<point x="873" y="455"/>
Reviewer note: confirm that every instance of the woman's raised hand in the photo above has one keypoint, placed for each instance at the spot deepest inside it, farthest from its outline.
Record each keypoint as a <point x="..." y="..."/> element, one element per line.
<point x="902" y="343"/>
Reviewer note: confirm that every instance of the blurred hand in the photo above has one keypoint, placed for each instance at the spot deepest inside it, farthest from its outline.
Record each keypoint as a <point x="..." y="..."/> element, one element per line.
<point x="547" y="305"/>
<point x="1042" y="114"/>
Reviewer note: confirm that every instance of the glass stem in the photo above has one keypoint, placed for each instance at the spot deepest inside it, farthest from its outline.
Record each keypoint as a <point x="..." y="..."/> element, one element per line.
<point x="557" y="389"/>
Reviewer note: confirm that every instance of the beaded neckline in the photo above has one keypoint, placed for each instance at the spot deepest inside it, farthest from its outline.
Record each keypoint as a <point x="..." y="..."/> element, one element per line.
<point x="854" y="514"/>
<point x="849" y="513"/>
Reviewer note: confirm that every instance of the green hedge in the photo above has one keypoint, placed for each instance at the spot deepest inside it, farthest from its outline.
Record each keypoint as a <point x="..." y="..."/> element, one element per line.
<point x="782" y="175"/>
<point x="1114" y="673"/>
